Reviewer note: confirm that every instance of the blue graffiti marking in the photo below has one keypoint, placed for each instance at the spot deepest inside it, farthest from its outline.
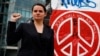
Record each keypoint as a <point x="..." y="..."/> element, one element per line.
<point x="79" y="3"/>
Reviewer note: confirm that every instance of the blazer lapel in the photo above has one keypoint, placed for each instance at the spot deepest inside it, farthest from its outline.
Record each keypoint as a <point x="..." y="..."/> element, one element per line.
<point x="46" y="33"/>
<point x="34" y="33"/>
<point x="33" y="29"/>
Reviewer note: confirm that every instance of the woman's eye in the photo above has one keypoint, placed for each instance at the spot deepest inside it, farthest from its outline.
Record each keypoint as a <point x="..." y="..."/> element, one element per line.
<point x="35" y="10"/>
<point x="40" y="11"/>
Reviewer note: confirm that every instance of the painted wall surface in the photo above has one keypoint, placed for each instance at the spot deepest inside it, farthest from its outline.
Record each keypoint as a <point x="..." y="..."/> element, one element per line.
<point x="76" y="25"/>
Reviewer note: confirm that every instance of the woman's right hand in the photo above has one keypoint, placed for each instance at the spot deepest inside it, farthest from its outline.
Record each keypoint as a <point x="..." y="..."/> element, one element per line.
<point x="15" y="17"/>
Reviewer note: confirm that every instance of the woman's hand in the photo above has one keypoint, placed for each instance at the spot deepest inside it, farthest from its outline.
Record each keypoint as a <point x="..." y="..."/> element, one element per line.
<point x="15" y="17"/>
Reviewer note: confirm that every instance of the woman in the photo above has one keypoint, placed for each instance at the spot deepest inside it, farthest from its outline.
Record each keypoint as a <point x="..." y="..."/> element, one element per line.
<point x="36" y="37"/>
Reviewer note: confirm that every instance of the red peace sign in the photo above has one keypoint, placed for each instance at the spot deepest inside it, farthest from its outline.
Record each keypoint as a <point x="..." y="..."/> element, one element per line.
<point x="76" y="34"/>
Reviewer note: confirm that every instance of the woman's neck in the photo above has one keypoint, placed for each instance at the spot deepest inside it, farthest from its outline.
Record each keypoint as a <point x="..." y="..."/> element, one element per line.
<point x="38" y="22"/>
<point x="39" y="26"/>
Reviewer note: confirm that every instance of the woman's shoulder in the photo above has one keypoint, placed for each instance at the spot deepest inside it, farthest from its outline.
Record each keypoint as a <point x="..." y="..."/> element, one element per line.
<point x="49" y="27"/>
<point x="25" y="24"/>
<point x="10" y="22"/>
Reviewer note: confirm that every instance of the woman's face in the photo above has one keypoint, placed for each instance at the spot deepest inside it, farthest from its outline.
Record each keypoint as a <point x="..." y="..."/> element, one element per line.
<point x="38" y="12"/>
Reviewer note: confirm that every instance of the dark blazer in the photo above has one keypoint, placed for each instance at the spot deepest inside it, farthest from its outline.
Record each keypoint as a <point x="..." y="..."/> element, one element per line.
<point x="31" y="43"/>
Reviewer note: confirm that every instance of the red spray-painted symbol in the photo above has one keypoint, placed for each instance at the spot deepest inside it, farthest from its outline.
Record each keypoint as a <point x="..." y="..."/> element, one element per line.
<point x="76" y="34"/>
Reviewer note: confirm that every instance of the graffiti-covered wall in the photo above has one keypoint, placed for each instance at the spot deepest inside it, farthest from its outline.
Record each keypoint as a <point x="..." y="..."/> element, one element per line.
<point x="76" y="25"/>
